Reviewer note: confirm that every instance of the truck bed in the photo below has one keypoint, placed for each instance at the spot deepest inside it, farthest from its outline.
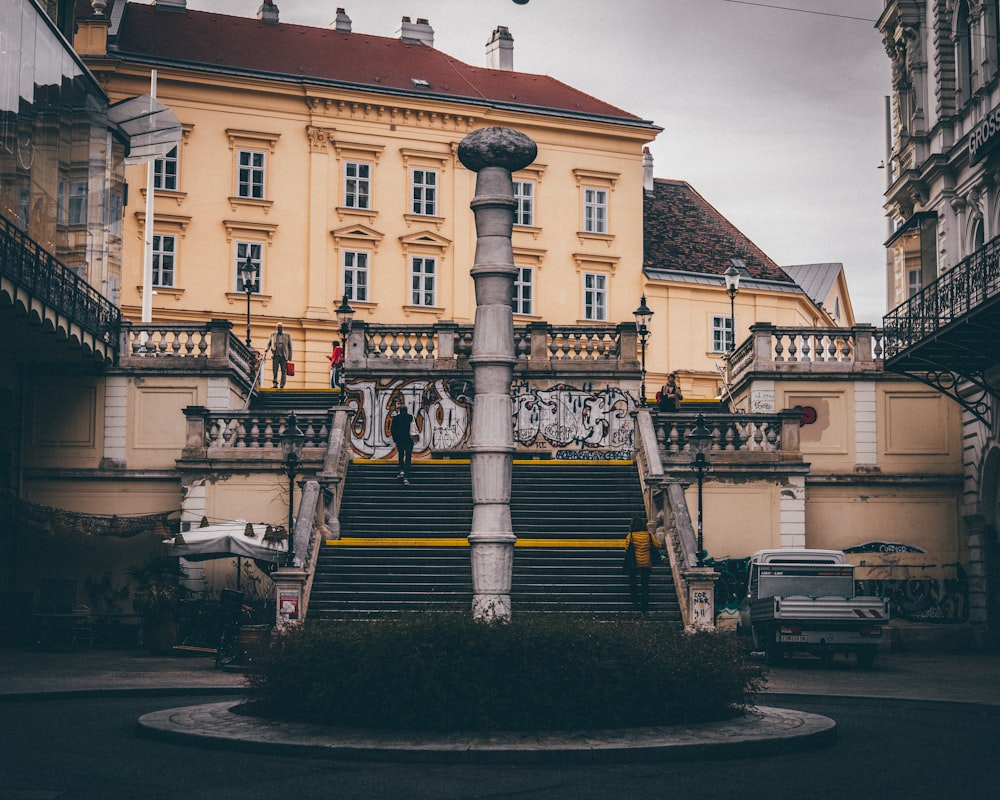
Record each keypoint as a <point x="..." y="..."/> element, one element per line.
<point x="833" y="609"/>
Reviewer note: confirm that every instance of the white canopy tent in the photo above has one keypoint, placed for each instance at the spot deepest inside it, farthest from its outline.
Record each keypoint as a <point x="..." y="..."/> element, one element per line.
<point x="226" y="540"/>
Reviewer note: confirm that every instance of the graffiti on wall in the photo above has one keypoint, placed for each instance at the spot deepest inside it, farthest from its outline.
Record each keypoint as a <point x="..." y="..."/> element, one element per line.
<point x="441" y="410"/>
<point x="577" y="419"/>
<point x="918" y="592"/>
<point x="584" y="423"/>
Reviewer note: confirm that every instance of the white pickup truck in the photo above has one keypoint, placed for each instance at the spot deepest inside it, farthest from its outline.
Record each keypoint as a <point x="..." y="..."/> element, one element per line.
<point x="803" y="600"/>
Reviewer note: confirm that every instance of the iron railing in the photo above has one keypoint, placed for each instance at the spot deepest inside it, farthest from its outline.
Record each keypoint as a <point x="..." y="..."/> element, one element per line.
<point x="48" y="280"/>
<point x="968" y="285"/>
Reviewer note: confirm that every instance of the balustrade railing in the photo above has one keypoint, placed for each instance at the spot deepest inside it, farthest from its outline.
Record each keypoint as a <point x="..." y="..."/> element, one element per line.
<point x="731" y="433"/>
<point x="260" y="430"/>
<point x="770" y="348"/>
<point x="968" y="285"/>
<point x="187" y="345"/>
<point x="39" y="273"/>
<point x="533" y="344"/>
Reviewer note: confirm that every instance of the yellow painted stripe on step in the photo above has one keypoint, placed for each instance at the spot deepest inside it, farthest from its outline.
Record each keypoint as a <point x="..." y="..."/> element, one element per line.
<point x="571" y="462"/>
<point x="456" y="542"/>
<point x="533" y="462"/>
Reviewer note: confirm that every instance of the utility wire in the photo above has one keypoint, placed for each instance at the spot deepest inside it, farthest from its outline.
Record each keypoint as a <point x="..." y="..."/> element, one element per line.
<point x="800" y="10"/>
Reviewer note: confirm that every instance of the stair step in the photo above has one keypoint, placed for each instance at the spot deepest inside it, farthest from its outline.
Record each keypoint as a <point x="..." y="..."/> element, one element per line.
<point x="549" y="502"/>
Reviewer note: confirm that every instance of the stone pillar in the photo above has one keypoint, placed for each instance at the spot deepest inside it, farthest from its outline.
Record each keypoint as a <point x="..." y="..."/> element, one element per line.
<point x="493" y="154"/>
<point x="700" y="583"/>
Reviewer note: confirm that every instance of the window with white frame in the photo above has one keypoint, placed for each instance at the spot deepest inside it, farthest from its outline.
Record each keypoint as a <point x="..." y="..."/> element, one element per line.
<point x="165" y="171"/>
<point x="595" y="210"/>
<point x="424" y="192"/>
<point x="422" y="283"/>
<point x="595" y="297"/>
<point x="913" y="282"/>
<point x="524" y="291"/>
<point x="164" y="260"/>
<point x="357" y="184"/>
<point x="250" y="174"/>
<point x="722" y="334"/>
<point x="356" y="275"/>
<point x="524" y="194"/>
<point x="255" y="251"/>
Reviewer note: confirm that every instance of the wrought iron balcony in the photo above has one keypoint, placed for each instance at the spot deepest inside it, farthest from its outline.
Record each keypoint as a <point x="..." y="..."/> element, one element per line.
<point x="946" y="335"/>
<point x="45" y="280"/>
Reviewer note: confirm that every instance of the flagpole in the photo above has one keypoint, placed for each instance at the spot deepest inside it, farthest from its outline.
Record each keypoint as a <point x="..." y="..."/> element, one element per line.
<point x="147" y="256"/>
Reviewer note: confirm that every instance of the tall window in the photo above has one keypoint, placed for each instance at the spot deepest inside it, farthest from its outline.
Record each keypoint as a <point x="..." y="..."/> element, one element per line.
<point x="165" y="172"/>
<point x="722" y="334"/>
<point x="522" y="302"/>
<point x="256" y="252"/>
<point x="422" y="271"/>
<point x="357" y="184"/>
<point x="250" y="178"/>
<point x="424" y="192"/>
<point x="913" y="282"/>
<point x="595" y="296"/>
<point x="524" y="193"/>
<point x="595" y="210"/>
<point x="356" y="275"/>
<point x="78" y="202"/>
<point x="164" y="260"/>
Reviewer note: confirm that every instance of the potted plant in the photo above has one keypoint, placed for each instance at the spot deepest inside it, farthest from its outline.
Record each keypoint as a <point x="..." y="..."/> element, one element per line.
<point x="156" y="595"/>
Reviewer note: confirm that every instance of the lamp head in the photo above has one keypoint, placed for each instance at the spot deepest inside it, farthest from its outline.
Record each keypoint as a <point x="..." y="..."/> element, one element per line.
<point x="292" y="441"/>
<point x="345" y="315"/>
<point x="732" y="275"/>
<point x="248" y="274"/>
<point x="699" y="440"/>
<point x="642" y="316"/>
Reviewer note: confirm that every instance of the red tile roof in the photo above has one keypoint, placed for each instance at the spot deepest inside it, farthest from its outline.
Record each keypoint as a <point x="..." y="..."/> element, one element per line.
<point x="684" y="232"/>
<point x="218" y="42"/>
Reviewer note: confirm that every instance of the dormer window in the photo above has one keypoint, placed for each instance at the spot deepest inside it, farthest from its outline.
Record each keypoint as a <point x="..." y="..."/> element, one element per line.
<point x="420" y="83"/>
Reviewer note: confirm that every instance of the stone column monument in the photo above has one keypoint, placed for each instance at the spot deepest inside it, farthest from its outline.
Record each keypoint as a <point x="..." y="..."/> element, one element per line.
<point x="493" y="154"/>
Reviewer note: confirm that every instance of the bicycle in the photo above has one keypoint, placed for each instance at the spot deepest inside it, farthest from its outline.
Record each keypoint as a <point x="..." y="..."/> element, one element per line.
<point x="230" y="648"/>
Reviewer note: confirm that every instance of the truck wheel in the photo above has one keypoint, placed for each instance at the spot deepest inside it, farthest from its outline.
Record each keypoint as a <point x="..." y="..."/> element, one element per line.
<point x="866" y="657"/>
<point x="774" y="653"/>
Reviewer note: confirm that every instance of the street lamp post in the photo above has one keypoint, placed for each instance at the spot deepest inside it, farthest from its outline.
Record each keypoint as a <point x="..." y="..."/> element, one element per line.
<point x="732" y="287"/>
<point x="248" y="274"/>
<point x="291" y="448"/>
<point x="642" y="316"/>
<point x="699" y="440"/>
<point x="345" y="316"/>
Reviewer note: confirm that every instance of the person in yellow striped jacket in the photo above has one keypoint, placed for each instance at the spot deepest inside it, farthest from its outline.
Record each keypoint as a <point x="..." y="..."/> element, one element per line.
<point x="639" y="547"/>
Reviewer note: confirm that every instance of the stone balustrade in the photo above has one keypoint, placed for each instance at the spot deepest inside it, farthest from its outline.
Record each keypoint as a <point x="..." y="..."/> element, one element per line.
<point x="177" y="346"/>
<point x="215" y="433"/>
<point x="818" y="350"/>
<point x="748" y="436"/>
<point x="538" y="346"/>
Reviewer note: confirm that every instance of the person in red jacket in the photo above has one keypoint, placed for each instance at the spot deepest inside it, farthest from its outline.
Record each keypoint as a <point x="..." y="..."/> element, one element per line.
<point x="336" y="366"/>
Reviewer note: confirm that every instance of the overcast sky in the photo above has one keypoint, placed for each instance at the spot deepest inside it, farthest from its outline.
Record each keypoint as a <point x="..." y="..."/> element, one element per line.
<point x="776" y="117"/>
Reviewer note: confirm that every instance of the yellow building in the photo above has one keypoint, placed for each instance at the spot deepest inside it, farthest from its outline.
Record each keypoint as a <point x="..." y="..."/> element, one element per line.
<point x="334" y="171"/>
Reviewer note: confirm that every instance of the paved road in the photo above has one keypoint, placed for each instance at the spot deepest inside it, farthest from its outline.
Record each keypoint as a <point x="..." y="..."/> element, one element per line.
<point x="64" y="749"/>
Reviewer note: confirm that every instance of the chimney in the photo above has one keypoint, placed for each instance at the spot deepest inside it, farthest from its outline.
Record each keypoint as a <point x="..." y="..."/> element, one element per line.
<point x="419" y="32"/>
<point x="647" y="171"/>
<point x="342" y="24"/>
<point x="268" y="12"/>
<point x="500" y="50"/>
<point x="170" y="5"/>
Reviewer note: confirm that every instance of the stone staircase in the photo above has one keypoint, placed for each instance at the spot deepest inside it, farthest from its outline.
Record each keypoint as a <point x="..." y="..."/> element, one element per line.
<point x="404" y="548"/>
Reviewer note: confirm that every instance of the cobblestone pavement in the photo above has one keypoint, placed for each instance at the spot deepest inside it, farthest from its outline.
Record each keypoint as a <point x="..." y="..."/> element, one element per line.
<point x="944" y="676"/>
